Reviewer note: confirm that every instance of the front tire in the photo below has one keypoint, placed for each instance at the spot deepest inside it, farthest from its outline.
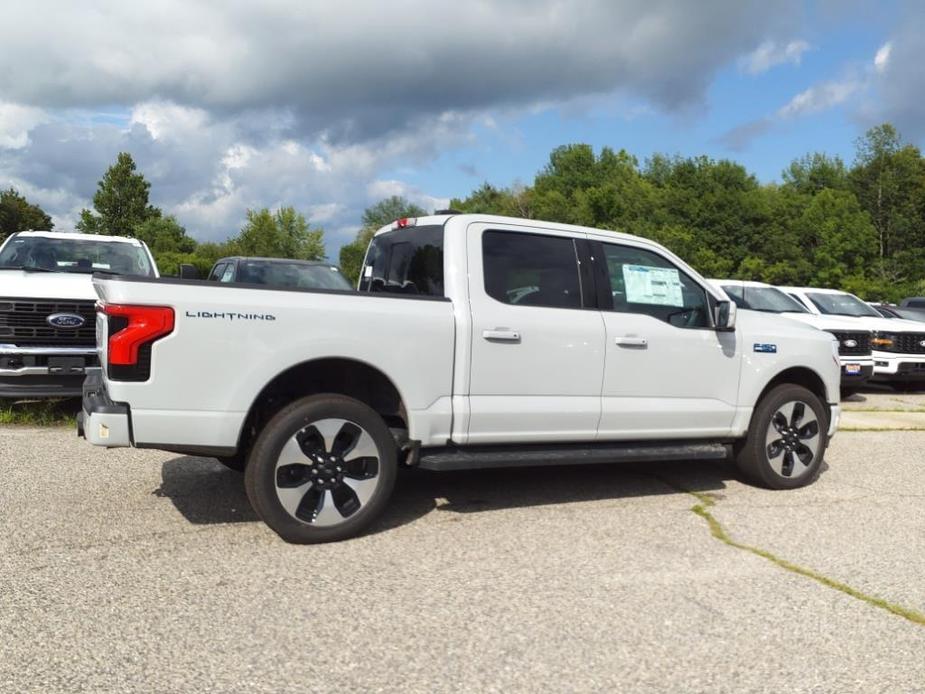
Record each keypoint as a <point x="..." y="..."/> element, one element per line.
<point x="322" y="469"/>
<point x="786" y="440"/>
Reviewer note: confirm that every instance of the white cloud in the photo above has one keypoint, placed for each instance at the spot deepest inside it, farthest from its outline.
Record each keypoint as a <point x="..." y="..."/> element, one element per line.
<point x="234" y="105"/>
<point x="882" y="59"/>
<point x="360" y="71"/>
<point x="15" y="123"/>
<point x="770" y="54"/>
<point x="820" y="97"/>
<point x="387" y="188"/>
<point x="167" y="119"/>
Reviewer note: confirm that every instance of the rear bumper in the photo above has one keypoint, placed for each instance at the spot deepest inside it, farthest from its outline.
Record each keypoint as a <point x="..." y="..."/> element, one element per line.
<point x="45" y="371"/>
<point x="101" y="421"/>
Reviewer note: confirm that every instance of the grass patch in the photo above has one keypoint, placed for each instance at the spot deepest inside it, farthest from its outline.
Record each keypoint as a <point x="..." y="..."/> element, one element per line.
<point x="911" y="410"/>
<point x="39" y="413"/>
<point x="856" y="429"/>
<point x="702" y="509"/>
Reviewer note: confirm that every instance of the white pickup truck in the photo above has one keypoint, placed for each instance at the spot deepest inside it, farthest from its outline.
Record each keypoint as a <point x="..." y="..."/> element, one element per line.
<point x="898" y="344"/>
<point x="473" y="341"/>
<point x="47" y="319"/>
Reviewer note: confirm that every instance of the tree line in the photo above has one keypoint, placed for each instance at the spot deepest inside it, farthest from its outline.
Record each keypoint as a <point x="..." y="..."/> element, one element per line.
<point x="859" y="227"/>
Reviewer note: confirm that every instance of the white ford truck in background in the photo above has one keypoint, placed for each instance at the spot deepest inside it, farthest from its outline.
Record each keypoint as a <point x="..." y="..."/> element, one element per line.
<point x="898" y="344"/>
<point x="473" y="341"/>
<point x="47" y="319"/>
<point x="854" y="340"/>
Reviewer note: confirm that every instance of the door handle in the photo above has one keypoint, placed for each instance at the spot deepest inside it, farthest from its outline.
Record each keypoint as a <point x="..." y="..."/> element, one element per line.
<point x="501" y="335"/>
<point x="631" y="342"/>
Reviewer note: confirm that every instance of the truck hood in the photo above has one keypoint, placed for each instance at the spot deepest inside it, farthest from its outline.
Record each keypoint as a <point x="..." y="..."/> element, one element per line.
<point x="887" y="325"/>
<point x="828" y="322"/>
<point x="46" y="285"/>
<point x="761" y="323"/>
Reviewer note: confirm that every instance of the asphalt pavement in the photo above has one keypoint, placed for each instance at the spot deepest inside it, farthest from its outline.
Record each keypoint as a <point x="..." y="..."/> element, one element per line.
<point x="131" y="570"/>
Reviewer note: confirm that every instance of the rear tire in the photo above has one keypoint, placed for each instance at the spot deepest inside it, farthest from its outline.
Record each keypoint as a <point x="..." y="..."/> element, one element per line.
<point x="322" y="469"/>
<point x="786" y="440"/>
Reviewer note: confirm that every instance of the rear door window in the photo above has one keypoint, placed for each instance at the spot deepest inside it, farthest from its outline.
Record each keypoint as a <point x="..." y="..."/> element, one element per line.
<point x="531" y="269"/>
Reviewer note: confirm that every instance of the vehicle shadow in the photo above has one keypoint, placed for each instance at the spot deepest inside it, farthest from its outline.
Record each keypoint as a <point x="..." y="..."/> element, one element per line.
<point x="205" y="492"/>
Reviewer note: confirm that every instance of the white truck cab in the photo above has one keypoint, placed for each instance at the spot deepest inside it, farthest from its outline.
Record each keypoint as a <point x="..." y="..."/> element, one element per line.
<point x="898" y="344"/>
<point x="854" y="342"/>
<point x="47" y="316"/>
<point x="472" y="341"/>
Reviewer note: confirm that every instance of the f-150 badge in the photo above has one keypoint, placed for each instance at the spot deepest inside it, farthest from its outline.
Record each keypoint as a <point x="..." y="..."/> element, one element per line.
<point x="765" y="347"/>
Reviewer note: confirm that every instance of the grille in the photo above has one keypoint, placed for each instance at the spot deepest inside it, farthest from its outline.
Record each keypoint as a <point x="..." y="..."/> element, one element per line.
<point x="23" y="322"/>
<point x="861" y="339"/>
<point x="906" y="343"/>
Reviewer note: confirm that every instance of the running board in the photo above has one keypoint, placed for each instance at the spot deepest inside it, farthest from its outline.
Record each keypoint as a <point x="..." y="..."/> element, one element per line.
<point x="475" y="457"/>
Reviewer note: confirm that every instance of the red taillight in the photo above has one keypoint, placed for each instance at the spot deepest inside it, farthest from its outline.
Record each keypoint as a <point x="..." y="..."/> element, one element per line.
<point x="142" y="325"/>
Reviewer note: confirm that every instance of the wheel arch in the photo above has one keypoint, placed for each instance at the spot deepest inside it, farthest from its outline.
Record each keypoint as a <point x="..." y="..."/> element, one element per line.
<point x="341" y="375"/>
<point x="800" y="376"/>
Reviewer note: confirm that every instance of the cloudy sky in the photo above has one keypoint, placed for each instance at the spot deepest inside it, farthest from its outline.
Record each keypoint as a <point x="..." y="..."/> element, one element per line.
<point x="229" y="105"/>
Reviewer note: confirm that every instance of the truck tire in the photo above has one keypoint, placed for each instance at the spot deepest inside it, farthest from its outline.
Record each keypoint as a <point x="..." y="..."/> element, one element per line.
<point x="322" y="469"/>
<point x="786" y="440"/>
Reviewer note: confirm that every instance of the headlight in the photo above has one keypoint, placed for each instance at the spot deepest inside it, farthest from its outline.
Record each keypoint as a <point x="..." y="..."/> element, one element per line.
<point x="835" y="348"/>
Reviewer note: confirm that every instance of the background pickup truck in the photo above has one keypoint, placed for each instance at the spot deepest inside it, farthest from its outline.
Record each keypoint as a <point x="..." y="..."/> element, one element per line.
<point x="47" y="319"/>
<point x="279" y="272"/>
<point x="473" y="341"/>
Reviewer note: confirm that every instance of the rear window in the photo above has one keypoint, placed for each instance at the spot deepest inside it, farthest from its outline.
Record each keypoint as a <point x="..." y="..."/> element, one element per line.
<point x="405" y="261"/>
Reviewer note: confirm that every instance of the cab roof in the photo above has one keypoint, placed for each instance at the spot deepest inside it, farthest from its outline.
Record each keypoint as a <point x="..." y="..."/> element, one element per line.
<point x="742" y="283"/>
<point x="440" y="219"/>
<point x="76" y="236"/>
<point x="288" y="261"/>
<point x="815" y="290"/>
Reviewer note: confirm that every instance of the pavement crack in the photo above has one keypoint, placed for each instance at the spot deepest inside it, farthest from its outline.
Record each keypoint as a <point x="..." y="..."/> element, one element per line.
<point x="707" y="501"/>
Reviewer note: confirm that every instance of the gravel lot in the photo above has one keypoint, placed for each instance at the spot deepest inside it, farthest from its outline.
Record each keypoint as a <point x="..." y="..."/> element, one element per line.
<point x="135" y="570"/>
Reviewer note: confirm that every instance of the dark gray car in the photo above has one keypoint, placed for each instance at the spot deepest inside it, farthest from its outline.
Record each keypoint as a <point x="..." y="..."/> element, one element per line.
<point x="280" y="272"/>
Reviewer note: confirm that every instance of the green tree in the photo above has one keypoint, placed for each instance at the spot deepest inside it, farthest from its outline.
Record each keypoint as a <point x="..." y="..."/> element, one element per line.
<point x="18" y="214"/>
<point x="375" y="217"/>
<point x="169" y="243"/>
<point x="283" y="234"/>
<point x="164" y="235"/>
<point x="121" y="201"/>
<point x="889" y="181"/>
<point x="815" y="172"/>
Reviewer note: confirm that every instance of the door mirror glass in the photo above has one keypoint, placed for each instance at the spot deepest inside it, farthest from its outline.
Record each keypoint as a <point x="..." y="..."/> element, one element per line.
<point x="724" y="315"/>
<point x="188" y="272"/>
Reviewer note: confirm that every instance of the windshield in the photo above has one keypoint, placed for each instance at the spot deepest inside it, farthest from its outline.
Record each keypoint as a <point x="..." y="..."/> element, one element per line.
<point x="49" y="254"/>
<point x="768" y="299"/>
<point x="841" y="305"/>
<point x="293" y="275"/>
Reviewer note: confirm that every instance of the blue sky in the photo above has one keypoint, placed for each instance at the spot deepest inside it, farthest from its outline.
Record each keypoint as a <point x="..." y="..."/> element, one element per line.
<point x="330" y="108"/>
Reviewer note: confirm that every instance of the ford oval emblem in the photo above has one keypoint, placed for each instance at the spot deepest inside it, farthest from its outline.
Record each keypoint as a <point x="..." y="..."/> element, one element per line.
<point x="66" y="320"/>
<point x="850" y="343"/>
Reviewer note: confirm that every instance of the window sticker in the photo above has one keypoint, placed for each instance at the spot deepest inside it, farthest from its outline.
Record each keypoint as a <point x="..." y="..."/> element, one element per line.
<point x="652" y="285"/>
